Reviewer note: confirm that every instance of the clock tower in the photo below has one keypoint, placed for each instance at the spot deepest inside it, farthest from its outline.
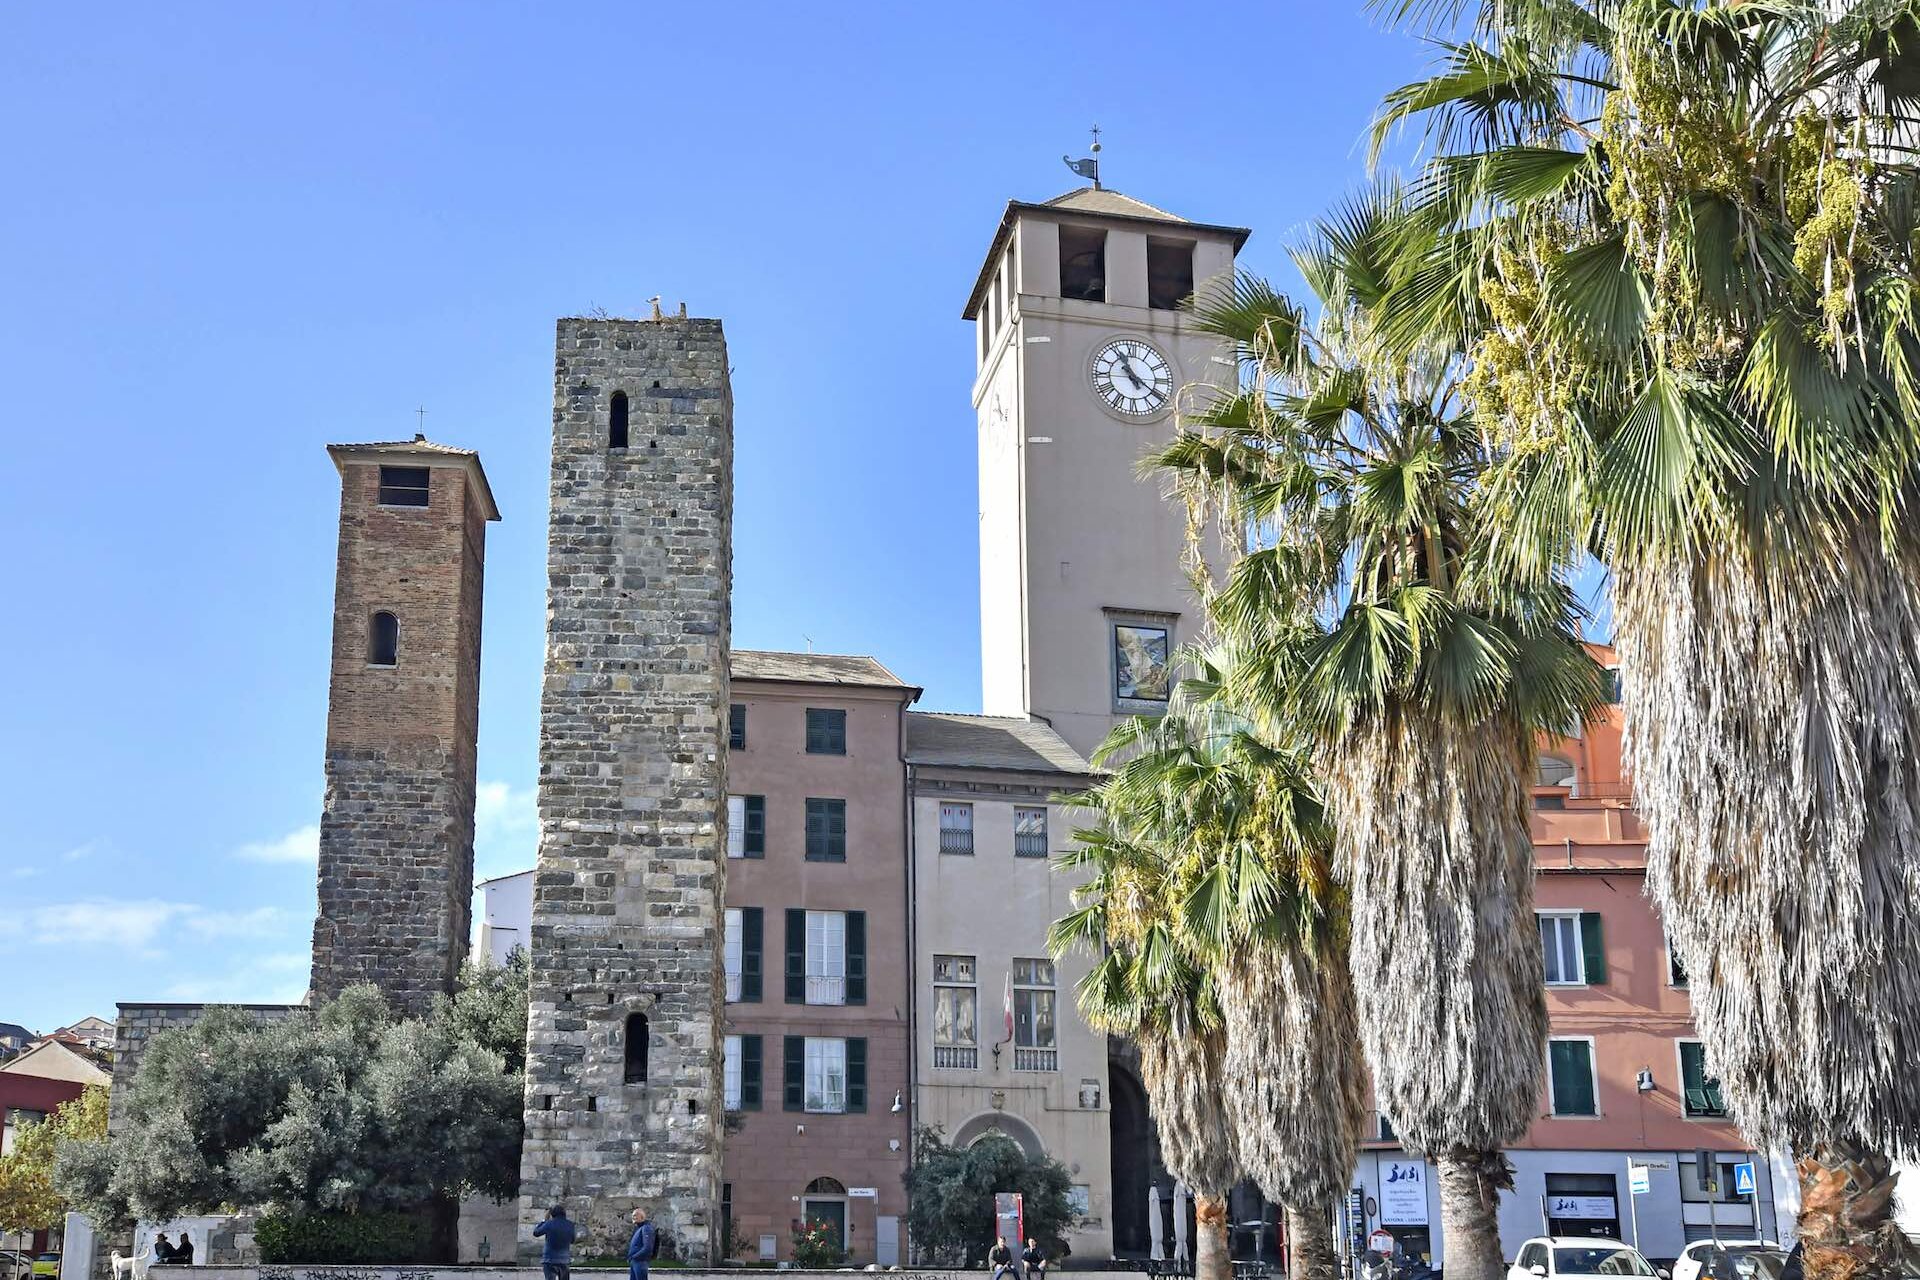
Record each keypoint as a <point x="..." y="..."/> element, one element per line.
<point x="1084" y="360"/>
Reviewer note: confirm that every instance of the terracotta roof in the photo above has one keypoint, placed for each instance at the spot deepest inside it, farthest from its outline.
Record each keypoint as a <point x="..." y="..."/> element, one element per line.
<point x="424" y="450"/>
<point x="815" y="668"/>
<point x="989" y="742"/>
<point x="1098" y="203"/>
<point x="1112" y="203"/>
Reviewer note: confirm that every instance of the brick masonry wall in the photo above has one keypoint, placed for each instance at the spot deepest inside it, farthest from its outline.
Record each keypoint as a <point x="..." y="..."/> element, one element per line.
<point x="396" y="829"/>
<point x="626" y="917"/>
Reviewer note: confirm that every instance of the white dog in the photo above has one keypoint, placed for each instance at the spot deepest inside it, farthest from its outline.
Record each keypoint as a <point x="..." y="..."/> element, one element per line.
<point x="131" y="1268"/>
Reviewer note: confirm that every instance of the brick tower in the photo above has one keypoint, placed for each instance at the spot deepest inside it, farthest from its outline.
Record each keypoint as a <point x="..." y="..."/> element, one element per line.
<point x="623" y="1047"/>
<point x="403" y="714"/>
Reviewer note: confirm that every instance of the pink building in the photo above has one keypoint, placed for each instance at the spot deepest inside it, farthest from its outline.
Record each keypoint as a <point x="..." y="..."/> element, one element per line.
<point x="1626" y="1082"/>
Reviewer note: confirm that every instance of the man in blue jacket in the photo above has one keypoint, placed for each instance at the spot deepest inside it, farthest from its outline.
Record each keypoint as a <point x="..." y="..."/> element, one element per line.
<point x="640" y="1249"/>
<point x="556" y="1254"/>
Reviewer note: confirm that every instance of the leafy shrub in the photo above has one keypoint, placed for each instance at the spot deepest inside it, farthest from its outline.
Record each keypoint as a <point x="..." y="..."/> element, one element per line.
<point x="816" y="1245"/>
<point x="355" y="1238"/>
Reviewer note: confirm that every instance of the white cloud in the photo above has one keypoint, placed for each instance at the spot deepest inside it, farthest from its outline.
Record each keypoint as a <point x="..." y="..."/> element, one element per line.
<point x="302" y="845"/>
<point x="503" y="812"/>
<point x="138" y="924"/>
<point x="22" y="873"/>
<point x="78" y="852"/>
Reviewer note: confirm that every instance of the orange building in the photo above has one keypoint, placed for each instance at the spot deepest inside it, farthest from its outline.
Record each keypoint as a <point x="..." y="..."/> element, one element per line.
<point x="1625" y="1081"/>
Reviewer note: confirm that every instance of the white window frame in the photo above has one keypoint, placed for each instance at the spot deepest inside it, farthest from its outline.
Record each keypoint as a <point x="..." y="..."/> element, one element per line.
<point x="819" y="1059"/>
<point x="958" y="810"/>
<point x="1021" y="811"/>
<point x="736" y="826"/>
<point x="730" y="1081"/>
<point x="1036" y="1056"/>
<point x="1563" y="920"/>
<point x="826" y="957"/>
<point x="958" y="1054"/>
<point x="734" y="950"/>
<point x="1593" y="1070"/>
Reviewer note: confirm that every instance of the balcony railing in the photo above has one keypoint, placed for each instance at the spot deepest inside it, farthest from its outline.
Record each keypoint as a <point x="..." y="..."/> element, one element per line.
<point x="733" y="988"/>
<point x="1030" y="845"/>
<point x="952" y="841"/>
<point x="1036" y="1059"/>
<point x="962" y="1056"/>
<point x="826" y="990"/>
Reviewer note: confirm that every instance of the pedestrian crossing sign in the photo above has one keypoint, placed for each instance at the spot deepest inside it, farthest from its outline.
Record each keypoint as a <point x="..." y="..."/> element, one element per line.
<point x="1743" y="1179"/>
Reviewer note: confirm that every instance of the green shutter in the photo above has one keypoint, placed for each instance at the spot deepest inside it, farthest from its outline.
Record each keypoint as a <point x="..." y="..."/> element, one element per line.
<point x="754" y="839"/>
<point x="837" y="830"/>
<point x="1570" y="1064"/>
<point x="856" y="957"/>
<point x="794" y="1051"/>
<point x="752" y="944"/>
<point x="1701" y="1091"/>
<point x="796" y="956"/>
<point x="1593" y="948"/>
<point x="857" y="1074"/>
<point x="750" y="1072"/>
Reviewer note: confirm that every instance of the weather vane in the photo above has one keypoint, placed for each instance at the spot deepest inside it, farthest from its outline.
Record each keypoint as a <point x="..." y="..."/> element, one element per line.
<point x="1090" y="167"/>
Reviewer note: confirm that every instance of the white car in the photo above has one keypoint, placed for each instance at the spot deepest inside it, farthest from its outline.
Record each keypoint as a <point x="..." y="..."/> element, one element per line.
<point x="1550" y="1257"/>
<point x="1758" y="1258"/>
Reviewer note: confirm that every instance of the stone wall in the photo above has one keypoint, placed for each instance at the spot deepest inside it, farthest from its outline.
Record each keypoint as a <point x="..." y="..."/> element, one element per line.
<point x="396" y="830"/>
<point x="627" y="927"/>
<point x="135" y="1028"/>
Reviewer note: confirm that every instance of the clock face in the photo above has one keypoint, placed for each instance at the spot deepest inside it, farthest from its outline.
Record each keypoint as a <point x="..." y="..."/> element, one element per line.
<point x="1132" y="377"/>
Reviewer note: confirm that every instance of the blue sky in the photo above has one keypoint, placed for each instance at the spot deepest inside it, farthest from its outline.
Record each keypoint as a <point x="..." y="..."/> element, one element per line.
<point x="236" y="232"/>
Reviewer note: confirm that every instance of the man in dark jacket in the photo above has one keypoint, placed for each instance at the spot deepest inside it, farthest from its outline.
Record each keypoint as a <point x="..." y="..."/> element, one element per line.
<point x="556" y="1254"/>
<point x="1000" y="1258"/>
<point x="641" y="1248"/>
<point x="1032" y="1261"/>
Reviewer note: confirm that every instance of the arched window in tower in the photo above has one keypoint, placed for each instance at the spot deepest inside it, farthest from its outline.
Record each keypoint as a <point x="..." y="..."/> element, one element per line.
<point x="636" y="1048"/>
<point x="383" y="640"/>
<point x="617" y="421"/>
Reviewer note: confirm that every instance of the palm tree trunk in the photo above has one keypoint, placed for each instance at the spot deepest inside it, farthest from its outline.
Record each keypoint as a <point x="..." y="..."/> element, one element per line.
<point x="1846" y="1220"/>
<point x="1311" y="1253"/>
<point x="1212" y="1259"/>
<point x="1470" y="1184"/>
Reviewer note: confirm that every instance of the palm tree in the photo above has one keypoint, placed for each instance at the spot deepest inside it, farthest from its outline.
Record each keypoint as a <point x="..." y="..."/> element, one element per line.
<point x="1681" y="239"/>
<point x="1421" y="674"/>
<point x="1212" y="856"/>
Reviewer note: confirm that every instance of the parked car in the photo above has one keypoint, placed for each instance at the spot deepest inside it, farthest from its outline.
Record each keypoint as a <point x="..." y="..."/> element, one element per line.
<point x="15" y="1265"/>
<point x="1730" y="1260"/>
<point x="1550" y="1257"/>
<point x="47" y="1264"/>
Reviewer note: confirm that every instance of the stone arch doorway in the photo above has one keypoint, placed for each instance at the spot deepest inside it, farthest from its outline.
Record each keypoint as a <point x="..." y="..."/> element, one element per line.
<point x="1136" y="1152"/>
<point x="824" y="1203"/>
<point x="998" y="1123"/>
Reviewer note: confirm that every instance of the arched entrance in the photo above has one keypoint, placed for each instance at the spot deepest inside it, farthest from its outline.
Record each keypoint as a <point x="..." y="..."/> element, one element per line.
<point x="999" y="1124"/>
<point x="1136" y="1155"/>
<point x="825" y="1202"/>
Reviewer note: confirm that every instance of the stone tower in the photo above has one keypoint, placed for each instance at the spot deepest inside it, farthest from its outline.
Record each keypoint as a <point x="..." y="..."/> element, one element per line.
<point x="403" y="716"/>
<point x="624" y="1052"/>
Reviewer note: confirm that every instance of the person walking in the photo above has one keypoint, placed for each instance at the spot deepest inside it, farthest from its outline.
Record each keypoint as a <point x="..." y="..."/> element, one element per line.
<point x="556" y="1252"/>
<point x="641" y="1248"/>
<point x="1033" y="1261"/>
<point x="1001" y="1259"/>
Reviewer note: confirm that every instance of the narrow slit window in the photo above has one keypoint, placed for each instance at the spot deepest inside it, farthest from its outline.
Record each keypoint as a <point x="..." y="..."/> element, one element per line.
<point x="383" y="640"/>
<point x="636" y="1048"/>
<point x="617" y="421"/>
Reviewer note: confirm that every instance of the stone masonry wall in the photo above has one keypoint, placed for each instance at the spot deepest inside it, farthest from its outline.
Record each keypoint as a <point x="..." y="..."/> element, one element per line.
<point x="396" y="829"/>
<point x="135" y="1028"/>
<point x="626" y="909"/>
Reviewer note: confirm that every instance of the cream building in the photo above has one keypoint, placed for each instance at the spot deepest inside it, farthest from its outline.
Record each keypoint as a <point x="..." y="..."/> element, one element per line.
<point x="1083" y="360"/>
<point x="998" y="1045"/>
